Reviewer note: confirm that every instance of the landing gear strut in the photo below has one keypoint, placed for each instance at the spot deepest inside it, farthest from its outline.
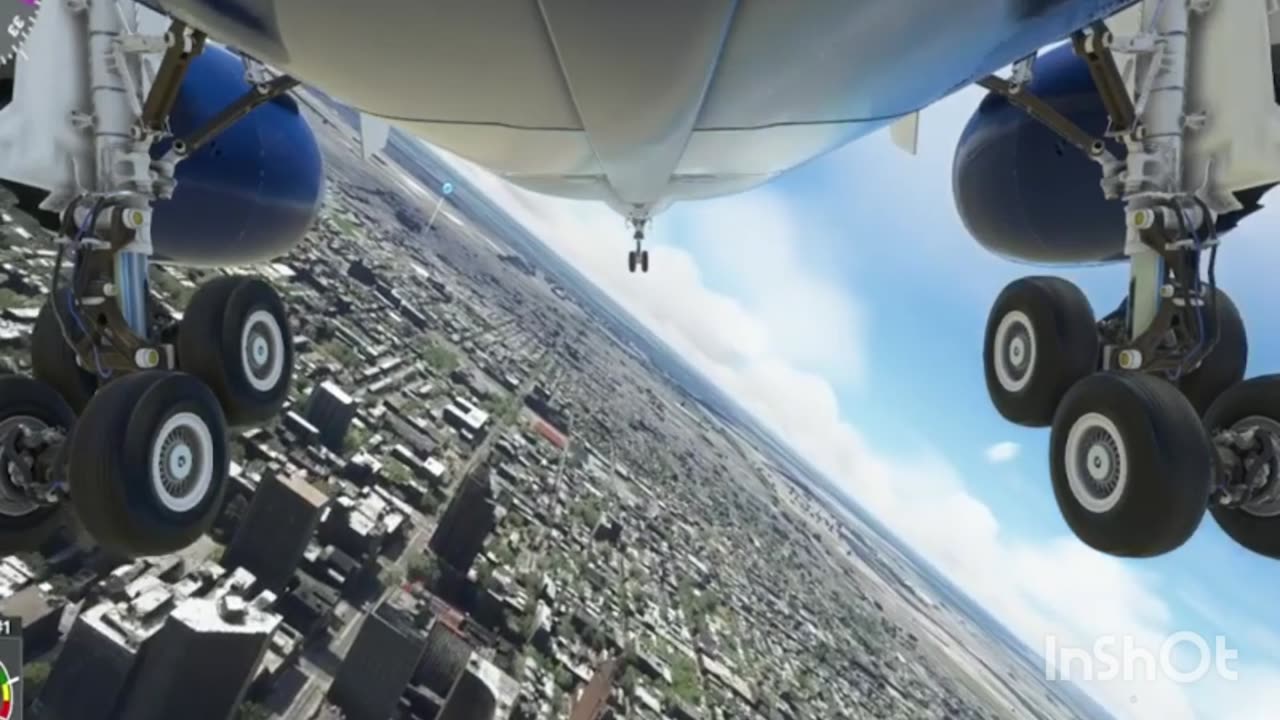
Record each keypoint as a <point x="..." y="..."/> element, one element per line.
<point x="146" y="463"/>
<point x="1133" y="464"/>
<point x="638" y="258"/>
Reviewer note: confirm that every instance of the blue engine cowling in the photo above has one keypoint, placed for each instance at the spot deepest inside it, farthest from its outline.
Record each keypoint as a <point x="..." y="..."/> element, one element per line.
<point x="253" y="192"/>
<point x="1026" y="194"/>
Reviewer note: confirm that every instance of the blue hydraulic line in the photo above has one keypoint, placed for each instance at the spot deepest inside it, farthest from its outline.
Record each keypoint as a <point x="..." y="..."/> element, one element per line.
<point x="131" y="290"/>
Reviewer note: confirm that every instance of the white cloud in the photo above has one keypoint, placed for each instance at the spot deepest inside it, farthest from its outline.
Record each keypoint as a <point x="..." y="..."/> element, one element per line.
<point x="760" y="239"/>
<point x="1002" y="452"/>
<point x="768" y="351"/>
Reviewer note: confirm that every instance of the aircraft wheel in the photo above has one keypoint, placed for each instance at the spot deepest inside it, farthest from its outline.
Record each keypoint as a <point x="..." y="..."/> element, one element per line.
<point x="1041" y="338"/>
<point x="1131" y="464"/>
<point x="644" y="261"/>
<point x="633" y="259"/>
<point x="1224" y="367"/>
<point x="235" y="336"/>
<point x="25" y="524"/>
<point x="1255" y="404"/>
<point x="149" y="463"/>
<point x="53" y="362"/>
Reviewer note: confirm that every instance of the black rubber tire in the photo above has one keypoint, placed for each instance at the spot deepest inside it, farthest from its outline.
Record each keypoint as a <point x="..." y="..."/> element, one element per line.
<point x="1166" y="482"/>
<point x="632" y="260"/>
<point x="112" y="485"/>
<point x="1064" y="336"/>
<point x="1224" y="367"/>
<point x="53" y="362"/>
<point x="209" y="343"/>
<point x="1257" y="397"/>
<point x="21" y="396"/>
<point x="644" y="261"/>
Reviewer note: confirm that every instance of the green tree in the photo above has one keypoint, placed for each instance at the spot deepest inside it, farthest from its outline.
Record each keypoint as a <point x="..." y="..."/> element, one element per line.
<point x="390" y="576"/>
<point x="504" y="554"/>
<point x="484" y="574"/>
<point x="253" y="711"/>
<point x="528" y="622"/>
<point x="10" y="299"/>
<point x="424" y="570"/>
<point x="430" y="503"/>
<point x="589" y="512"/>
<point x="338" y="351"/>
<point x="628" y="682"/>
<point x="356" y="439"/>
<point x="685" y="683"/>
<point x="34" y="676"/>
<point x="441" y="359"/>
<point x="396" y="473"/>
<point x="509" y="412"/>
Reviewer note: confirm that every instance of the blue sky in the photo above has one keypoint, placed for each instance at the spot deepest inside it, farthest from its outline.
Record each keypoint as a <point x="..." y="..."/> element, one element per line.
<point x="844" y="304"/>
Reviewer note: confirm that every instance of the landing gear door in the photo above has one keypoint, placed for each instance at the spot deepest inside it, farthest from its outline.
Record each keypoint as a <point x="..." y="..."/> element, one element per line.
<point x="1232" y="84"/>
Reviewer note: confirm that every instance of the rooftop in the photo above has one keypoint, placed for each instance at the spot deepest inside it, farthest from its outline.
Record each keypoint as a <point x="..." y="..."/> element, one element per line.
<point x="470" y="414"/>
<point x="229" y="614"/>
<point x="304" y="489"/>
<point x="338" y="393"/>
<point x="504" y="687"/>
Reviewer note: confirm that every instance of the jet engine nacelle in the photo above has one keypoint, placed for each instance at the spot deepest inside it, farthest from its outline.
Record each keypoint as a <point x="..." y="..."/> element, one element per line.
<point x="1026" y="194"/>
<point x="253" y="192"/>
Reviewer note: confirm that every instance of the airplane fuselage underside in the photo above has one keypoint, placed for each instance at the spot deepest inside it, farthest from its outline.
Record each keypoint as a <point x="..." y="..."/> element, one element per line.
<point x="639" y="104"/>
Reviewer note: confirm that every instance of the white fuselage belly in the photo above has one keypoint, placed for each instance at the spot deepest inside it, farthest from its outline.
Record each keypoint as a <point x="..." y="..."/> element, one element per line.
<point x="637" y="104"/>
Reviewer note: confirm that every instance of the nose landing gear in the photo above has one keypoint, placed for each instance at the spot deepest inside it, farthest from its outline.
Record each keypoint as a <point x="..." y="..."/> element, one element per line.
<point x="638" y="258"/>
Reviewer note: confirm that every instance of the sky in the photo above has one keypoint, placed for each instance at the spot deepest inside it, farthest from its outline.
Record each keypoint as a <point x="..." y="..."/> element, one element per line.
<point x="844" y="304"/>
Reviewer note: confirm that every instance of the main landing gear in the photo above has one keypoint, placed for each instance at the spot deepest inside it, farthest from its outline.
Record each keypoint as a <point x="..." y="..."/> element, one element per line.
<point x="1150" y="422"/>
<point x="145" y="463"/>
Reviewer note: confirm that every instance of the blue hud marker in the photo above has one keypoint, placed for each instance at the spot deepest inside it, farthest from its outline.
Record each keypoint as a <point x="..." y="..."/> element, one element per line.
<point x="445" y="191"/>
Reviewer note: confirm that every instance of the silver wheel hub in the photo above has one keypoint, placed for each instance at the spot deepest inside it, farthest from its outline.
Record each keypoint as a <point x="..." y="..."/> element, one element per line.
<point x="182" y="462"/>
<point x="1265" y="501"/>
<point x="262" y="351"/>
<point x="1015" y="351"/>
<point x="14" y="502"/>
<point x="1018" y="350"/>
<point x="1097" y="462"/>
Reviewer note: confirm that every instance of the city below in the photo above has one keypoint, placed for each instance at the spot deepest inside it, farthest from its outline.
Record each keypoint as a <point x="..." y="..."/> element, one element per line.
<point x="489" y="496"/>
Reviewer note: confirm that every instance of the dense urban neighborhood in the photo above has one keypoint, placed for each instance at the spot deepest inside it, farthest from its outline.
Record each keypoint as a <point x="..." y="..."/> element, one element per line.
<point x="481" y="502"/>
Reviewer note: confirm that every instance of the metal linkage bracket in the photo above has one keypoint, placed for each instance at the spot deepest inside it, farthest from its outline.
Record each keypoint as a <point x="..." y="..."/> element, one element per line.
<point x="1176" y="340"/>
<point x="183" y="47"/>
<point x="245" y="104"/>
<point x="1094" y="47"/>
<point x="1042" y="111"/>
<point x="1093" y="147"/>
<point x="1022" y="73"/>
